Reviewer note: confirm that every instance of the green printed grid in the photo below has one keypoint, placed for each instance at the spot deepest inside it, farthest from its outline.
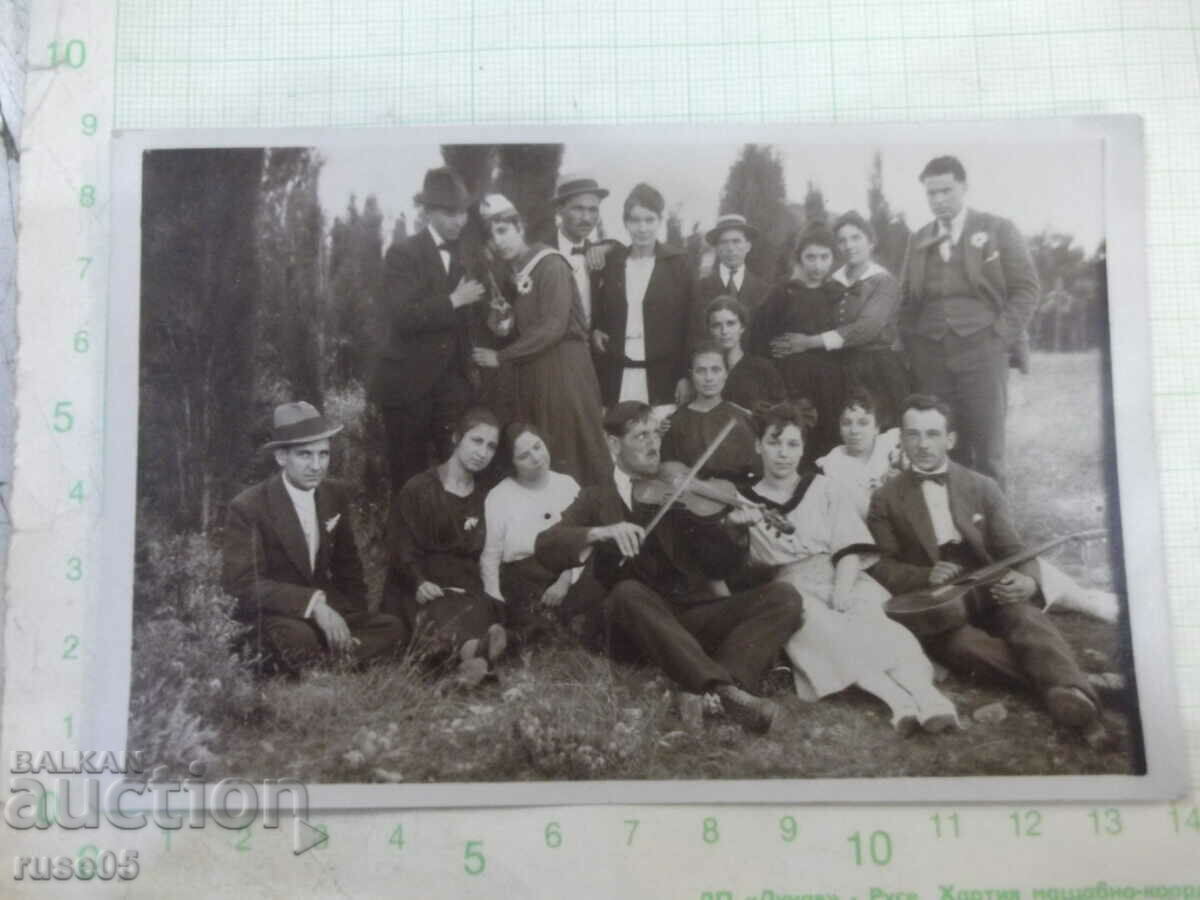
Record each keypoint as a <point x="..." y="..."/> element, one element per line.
<point x="228" y="63"/>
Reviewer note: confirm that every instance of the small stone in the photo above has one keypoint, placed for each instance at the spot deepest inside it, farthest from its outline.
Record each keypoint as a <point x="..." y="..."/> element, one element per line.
<point x="387" y="774"/>
<point x="991" y="714"/>
<point x="513" y="694"/>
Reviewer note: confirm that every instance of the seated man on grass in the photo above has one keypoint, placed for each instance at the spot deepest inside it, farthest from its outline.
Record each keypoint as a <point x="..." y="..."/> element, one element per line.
<point x="291" y="561"/>
<point x="660" y="596"/>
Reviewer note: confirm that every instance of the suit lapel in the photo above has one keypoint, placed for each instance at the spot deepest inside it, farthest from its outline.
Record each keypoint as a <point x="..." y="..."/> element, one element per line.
<point x="972" y="255"/>
<point x="287" y="526"/>
<point x="325" y="514"/>
<point x="433" y="258"/>
<point x="918" y="516"/>
<point x="916" y="263"/>
<point x="963" y="506"/>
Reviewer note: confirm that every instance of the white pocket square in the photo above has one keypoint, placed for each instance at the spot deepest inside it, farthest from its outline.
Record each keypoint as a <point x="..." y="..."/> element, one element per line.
<point x="995" y="255"/>
<point x="977" y="519"/>
<point x="331" y="524"/>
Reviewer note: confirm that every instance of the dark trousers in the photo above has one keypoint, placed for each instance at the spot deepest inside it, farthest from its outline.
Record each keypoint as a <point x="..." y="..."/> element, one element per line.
<point x="290" y="644"/>
<point x="418" y="432"/>
<point x="971" y="374"/>
<point x="727" y="640"/>
<point x="1016" y="646"/>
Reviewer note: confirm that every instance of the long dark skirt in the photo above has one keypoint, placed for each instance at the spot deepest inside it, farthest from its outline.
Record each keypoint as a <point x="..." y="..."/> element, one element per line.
<point x="820" y="377"/>
<point x="440" y="627"/>
<point x="522" y="583"/>
<point x="558" y="392"/>
<point x="884" y="374"/>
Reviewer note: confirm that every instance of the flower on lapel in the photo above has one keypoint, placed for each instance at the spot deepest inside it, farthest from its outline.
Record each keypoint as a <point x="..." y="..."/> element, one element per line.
<point x="978" y="239"/>
<point x="331" y="524"/>
<point x="524" y="285"/>
<point x="470" y="523"/>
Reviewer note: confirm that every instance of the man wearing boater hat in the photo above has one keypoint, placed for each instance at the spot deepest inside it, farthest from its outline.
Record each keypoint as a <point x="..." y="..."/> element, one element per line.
<point x="733" y="238"/>
<point x="577" y="199"/>
<point x="291" y="561"/>
<point x="422" y="381"/>
<point x="938" y="520"/>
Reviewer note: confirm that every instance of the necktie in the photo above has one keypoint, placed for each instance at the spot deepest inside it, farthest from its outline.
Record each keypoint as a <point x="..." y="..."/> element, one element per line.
<point x="579" y="250"/>
<point x="935" y="477"/>
<point x="944" y="246"/>
<point x="731" y="288"/>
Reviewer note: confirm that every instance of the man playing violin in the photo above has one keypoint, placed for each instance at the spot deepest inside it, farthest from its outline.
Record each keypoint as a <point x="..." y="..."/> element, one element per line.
<point x="661" y="596"/>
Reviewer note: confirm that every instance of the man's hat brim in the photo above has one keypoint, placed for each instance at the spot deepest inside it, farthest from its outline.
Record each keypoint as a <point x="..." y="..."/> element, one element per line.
<point x="319" y="428"/>
<point x="749" y="230"/>
<point x="563" y="196"/>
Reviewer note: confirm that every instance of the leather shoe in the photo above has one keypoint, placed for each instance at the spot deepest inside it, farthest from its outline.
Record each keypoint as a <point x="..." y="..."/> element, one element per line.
<point x="755" y="714"/>
<point x="1070" y="706"/>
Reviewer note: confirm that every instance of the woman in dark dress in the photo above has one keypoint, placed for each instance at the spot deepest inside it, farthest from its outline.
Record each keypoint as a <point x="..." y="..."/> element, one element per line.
<point x="554" y="382"/>
<point x="696" y="424"/>
<point x="436" y="534"/>
<point x="752" y="380"/>
<point x="787" y="329"/>
<point x="865" y="331"/>
<point x="642" y="319"/>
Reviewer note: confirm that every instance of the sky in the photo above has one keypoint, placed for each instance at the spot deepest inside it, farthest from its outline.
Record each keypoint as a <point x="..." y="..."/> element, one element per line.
<point x="1038" y="186"/>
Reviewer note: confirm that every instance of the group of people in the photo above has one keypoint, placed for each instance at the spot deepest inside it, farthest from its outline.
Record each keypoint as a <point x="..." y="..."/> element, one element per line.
<point x="709" y="475"/>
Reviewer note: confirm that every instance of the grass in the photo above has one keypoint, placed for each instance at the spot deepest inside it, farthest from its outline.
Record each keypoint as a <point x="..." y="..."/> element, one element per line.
<point x="564" y="713"/>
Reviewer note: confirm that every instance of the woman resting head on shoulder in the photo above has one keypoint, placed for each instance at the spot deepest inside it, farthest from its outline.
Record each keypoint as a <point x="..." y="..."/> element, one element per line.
<point x="530" y="500"/>
<point x="867" y="457"/>
<point x="436" y="535"/>
<point x="752" y="380"/>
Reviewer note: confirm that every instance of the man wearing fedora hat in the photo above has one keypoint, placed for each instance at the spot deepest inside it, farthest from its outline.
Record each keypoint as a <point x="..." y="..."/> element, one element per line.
<point x="291" y="561"/>
<point x="938" y="520"/>
<point x="422" y="380"/>
<point x="732" y="237"/>
<point x="577" y="199"/>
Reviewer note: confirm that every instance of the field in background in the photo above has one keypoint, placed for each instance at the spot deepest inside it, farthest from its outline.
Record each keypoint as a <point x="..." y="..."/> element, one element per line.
<point x="566" y="713"/>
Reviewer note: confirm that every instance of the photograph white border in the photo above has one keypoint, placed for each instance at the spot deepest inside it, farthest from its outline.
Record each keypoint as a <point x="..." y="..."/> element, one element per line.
<point x="1132" y="401"/>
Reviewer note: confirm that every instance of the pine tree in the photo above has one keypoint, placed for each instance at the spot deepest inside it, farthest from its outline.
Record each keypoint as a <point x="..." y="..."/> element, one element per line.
<point x="891" y="232"/>
<point x="755" y="188"/>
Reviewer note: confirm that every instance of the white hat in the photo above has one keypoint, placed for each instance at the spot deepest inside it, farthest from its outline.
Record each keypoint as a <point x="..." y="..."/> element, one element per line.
<point x="494" y="205"/>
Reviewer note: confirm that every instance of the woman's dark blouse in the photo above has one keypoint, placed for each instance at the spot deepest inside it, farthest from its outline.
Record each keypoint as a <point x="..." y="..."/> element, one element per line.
<point x="435" y="535"/>
<point x="794" y="307"/>
<point x="752" y="382"/>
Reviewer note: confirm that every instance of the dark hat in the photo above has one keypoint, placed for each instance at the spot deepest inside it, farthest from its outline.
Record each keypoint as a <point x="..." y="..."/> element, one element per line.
<point x="443" y="188"/>
<point x="570" y="185"/>
<point x="298" y="423"/>
<point x="617" y="419"/>
<point x="731" y="220"/>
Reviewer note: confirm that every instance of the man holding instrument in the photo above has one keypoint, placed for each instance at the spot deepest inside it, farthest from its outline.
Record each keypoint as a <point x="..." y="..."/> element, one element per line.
<point x="939" y="520"/>
<point x="656" y="599"/>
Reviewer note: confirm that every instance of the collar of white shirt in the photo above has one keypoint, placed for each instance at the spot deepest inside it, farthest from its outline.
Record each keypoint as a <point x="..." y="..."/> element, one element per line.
<point x="305" y="503"/>
<point x="944" y="467"/>
<point x="624" y="486"/>
<point x="444" y="255"/>
<point x="566" y="245"/>
<point x="738" y="277"/>
<point x="957" y="224"/>
<point x="873" y="268"/>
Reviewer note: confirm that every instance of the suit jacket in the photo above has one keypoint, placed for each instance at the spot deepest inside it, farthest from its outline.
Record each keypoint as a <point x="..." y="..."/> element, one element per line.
<point x="899" y="520"/>
<point x="666" y="313"/>
<point x="752" y="294"/>
<point x="427" y="336"/>
<point x="998" y="266"/>
<point x="266" y="563"/>
<point x="562" y="545"/>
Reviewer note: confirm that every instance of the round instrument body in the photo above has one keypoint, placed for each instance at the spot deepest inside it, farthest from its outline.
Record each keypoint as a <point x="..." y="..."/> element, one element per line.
<point x="929" y="612"/>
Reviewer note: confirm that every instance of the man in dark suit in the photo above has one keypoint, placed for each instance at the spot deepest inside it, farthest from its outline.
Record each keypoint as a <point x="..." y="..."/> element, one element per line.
<point x="291" y="561"/>
<point x="702" y="641"/>
<point x="733" y="238"/>
<point x="422" y="380"/>
<point x="969" y="291"/>
<point x="939" y="519"/>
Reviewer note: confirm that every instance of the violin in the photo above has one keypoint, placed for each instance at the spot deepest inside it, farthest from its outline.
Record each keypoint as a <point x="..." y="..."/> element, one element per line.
<point x="703" y="497"/>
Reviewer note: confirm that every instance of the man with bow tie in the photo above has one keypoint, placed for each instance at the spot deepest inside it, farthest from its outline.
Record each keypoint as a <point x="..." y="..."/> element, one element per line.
<point x="938" y="520"/>
<point x="291" y="560"/>
<point x="969" y="289"/>
<point x="422" y="380"/>
<point x="577" y="199"/>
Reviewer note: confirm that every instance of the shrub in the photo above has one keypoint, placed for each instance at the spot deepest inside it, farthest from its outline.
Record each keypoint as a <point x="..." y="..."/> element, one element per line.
<point x="190" y="677"/>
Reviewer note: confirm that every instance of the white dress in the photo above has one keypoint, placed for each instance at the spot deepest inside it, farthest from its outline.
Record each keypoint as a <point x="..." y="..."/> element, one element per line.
<point x="836" y="647"/>
<point x="515" y="515"/>
<point x="860" y="478"/>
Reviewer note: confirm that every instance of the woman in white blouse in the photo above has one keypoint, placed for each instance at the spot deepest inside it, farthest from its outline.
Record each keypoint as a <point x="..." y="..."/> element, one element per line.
<point x="642" y="319"/>
<point x="516" y="511"/>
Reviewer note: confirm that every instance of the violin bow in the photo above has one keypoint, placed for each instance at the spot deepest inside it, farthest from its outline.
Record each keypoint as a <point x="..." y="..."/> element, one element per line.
<point x="687" y="479"/>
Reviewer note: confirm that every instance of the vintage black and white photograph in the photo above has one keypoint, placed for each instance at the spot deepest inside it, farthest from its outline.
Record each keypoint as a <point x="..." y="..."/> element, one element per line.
<point x="777" y="456"/>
